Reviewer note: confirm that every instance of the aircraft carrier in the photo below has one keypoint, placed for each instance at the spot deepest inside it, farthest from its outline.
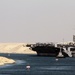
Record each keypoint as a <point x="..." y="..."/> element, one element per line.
<point x="47" y="49"/>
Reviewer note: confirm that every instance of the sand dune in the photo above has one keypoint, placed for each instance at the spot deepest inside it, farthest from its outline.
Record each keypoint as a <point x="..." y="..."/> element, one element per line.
<point x="15" y="48"/>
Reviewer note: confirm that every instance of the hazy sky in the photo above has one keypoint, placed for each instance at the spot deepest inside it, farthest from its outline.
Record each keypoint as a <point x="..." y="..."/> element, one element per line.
<point x="37" y="20"/>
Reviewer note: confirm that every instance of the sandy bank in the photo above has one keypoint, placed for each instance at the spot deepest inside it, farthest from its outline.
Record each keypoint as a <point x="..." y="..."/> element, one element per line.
<point x="4" y="60"/>
<point x="15" y="48"/>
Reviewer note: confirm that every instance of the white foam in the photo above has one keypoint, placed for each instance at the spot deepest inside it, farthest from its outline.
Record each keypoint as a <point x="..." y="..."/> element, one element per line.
<point x="20" y="62"/>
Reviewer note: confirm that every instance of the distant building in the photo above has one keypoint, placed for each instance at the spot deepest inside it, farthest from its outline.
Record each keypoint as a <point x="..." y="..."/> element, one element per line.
<point x="73" y="38"/>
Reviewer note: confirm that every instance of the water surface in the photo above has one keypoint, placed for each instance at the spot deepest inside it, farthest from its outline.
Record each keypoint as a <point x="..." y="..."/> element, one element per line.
<point x="39" y="65"/>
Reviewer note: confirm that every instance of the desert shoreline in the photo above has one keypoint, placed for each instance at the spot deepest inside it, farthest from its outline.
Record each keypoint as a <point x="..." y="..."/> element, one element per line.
<point x="13" y="48"/>
<point x="19" y="48"/>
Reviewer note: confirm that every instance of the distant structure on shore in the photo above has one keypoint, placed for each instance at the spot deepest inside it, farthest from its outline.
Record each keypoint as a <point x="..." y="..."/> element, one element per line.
<point x="73" y="38"/>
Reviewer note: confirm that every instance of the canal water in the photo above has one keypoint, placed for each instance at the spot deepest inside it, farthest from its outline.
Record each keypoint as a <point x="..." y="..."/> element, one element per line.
<point x="38" y="65"/>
